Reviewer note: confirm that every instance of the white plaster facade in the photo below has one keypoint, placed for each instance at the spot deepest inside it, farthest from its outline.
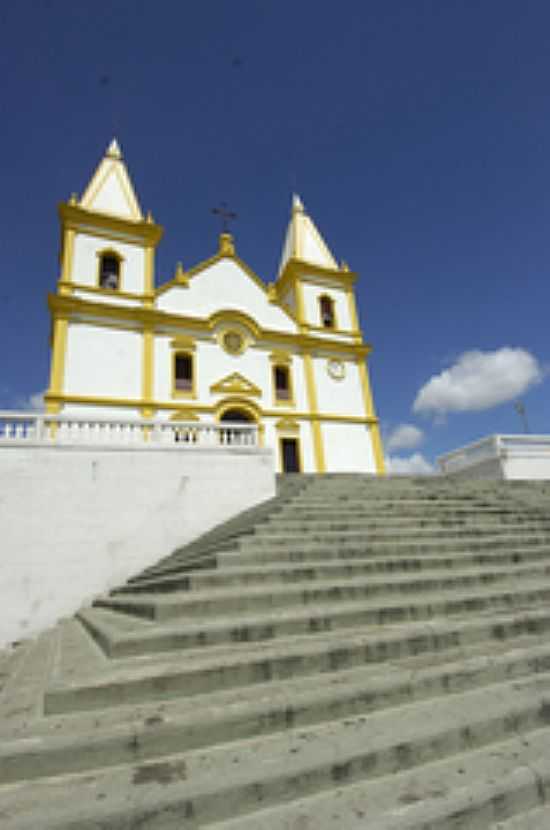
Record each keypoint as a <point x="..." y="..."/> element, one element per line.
<point x="114" y="348"/>
<point x="117" y="511"/>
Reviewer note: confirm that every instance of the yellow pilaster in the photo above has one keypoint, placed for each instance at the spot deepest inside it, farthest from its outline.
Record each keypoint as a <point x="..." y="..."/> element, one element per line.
<point x="149" y="282"/>
<point x="316" y="432"/>
<point x="67" y="261"/>
<point x="374" y="426"/>
<point x="147" y="372"/>
<point x="352" y="305"/>
<point x="57" y="367"/>
<point x="300" y="303"/>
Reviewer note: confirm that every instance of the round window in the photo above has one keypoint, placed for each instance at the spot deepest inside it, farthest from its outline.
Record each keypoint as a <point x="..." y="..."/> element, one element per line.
<point x="233" y="342"/>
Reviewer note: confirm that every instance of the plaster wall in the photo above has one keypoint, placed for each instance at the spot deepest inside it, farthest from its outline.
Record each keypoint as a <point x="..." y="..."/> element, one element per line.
<point x="348" y="448"/>
<point x="527" y="467"/>
<point x="311" y="304"/>
<point x="342" y="397"/>
<point x="77" y="522"/>
<point x="225" y="285"/>
<point x="103" y="362"/>
<point x="85" y="262"/>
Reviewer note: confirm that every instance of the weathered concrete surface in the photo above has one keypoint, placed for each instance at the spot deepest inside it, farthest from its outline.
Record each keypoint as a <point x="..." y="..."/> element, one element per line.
<point x="357" y="654"/>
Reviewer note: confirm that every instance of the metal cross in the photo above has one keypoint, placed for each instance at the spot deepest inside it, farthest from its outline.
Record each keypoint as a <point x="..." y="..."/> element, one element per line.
<point x="225" y="215"/>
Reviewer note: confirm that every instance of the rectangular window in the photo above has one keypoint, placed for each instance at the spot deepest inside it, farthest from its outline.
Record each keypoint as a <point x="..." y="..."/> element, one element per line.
<point x="282" y="383"/>
<point x="183" y="371"/>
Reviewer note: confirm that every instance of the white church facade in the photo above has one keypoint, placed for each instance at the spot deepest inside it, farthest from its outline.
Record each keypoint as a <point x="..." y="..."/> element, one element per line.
<point x="214" y="343"/>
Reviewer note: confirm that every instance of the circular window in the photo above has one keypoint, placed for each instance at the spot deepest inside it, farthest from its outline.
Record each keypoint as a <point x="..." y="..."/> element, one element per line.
<point x="233" y="342"/>
<point x="336" y="369"/>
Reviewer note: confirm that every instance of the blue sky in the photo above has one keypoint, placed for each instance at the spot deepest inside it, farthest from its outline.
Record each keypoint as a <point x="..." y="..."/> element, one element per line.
<point x="416" y="133"/>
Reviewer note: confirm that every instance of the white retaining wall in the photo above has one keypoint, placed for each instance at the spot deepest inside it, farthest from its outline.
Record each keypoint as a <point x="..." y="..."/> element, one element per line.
<point x="75" y="522"/>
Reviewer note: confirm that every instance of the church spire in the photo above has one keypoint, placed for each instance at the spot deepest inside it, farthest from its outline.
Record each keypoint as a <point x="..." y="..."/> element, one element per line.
<point x="110" y="189"/>
<point x="303" y="240"/>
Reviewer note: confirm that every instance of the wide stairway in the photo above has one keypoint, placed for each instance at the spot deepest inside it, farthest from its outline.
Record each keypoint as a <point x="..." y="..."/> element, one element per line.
<point x="356" y="653"/>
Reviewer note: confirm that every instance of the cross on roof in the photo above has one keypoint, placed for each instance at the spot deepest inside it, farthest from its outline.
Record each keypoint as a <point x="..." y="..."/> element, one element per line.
<point x="225" y="215"/>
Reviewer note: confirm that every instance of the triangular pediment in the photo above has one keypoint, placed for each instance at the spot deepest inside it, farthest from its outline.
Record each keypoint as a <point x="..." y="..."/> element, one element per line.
<point x="235" y="384"/>
<point x="110" y="189"/>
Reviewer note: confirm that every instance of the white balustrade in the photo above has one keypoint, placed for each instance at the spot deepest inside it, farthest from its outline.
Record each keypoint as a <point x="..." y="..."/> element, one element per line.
<point x="44" y="429"/>
<point x="495" y="446"/>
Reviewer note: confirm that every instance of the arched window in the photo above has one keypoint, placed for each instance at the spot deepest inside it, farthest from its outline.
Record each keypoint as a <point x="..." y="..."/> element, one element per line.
<point x="326" y="310"/>
<point x="109" y="270"/>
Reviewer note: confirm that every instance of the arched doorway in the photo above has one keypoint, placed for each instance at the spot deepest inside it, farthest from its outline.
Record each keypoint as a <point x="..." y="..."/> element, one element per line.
<point x="232" y="416"/>
<point x="236" y="416"/>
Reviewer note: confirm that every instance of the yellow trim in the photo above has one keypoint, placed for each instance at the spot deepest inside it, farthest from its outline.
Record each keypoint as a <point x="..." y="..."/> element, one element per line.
<point x="352" y="306"/>
<point x="351" y="333"/>
<point x="59" y="352"/>
<point x="247" y="406"/>
<point x="316" y="431"/>
<point x="282" y="358"/>
<point x="184" y="415"/>
<point x="184" y="343"/>
<point x="230" y="316"/>
<point x="244" y="341"/>
<point x="92" y="289"/>
<point x="290" y="401"/>
<point x="287" y="425"/>
<point x="300" y="302"/>
<point x="180" y="393"/>
<point x="296" y="438"/>
<point x="149" y="276"/>
<point x="147" y="390"/>
<point x="107" y="167"/>
<point x="77" y="218"/>
<point x="297" y="269"/>
<point x="161" y="320"/>
<point x="130" y="403"/>
<point x="374" y="426"/>
<point x="235" y="384"/>
<point x="65" y="280"/>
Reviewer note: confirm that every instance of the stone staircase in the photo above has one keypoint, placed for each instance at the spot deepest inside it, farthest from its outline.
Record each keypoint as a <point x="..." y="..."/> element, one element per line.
<point x="355" y="653"/>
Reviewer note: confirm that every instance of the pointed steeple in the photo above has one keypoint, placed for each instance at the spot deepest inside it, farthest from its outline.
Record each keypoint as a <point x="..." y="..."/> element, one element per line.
<point x="304" y="242"/>
<point x="110" y="189"/>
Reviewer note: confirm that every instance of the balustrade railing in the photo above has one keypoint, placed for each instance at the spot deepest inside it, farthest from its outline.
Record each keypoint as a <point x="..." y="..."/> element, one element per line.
<point x="45" y="429"/>
<point x="495" y="446"/>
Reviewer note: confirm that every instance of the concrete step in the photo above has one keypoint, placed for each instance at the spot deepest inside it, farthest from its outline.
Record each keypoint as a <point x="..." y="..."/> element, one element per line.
<point x="131" y="681"/>
<point x="240" y="599"/>
<point x="468" y="791"/>
<point x="451" y="522"/>
<point x="204" y="631"/>
<point x="535" y="819"/>
<point x="109" y="739"/>
<point x="306" y="550"/>
<point x="230" y="780"/>
<point x="319" y="570"/>
<point x="267" y="537"/>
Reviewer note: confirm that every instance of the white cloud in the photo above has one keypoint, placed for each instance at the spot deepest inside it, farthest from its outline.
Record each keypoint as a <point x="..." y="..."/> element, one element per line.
<point x="479" y="380"/>
<point x="404" y="437"/>
<point x="34" y="402"/>
<point x="414" y="464"/>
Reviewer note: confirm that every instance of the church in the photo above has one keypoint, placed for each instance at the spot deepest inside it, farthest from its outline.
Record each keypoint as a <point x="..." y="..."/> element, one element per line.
<point x="215" y="343"/>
